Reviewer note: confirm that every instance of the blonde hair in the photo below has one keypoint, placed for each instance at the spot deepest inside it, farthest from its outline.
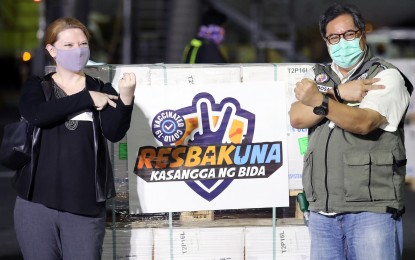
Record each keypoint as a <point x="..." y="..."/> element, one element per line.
<point x="62" y="24"/>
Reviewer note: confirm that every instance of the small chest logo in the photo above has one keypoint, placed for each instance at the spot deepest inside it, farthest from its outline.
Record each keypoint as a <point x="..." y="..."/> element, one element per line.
<point x="321" y="78"/>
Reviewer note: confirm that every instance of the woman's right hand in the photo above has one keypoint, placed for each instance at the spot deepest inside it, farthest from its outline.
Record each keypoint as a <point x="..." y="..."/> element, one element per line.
<point x="101" y="100"/>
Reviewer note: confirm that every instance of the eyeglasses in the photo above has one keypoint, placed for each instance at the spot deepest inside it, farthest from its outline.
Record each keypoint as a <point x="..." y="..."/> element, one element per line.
<point x="348" y="36"/>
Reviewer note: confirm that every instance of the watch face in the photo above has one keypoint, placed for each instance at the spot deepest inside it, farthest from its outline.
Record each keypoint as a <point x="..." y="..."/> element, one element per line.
<point x="321" y="111"/>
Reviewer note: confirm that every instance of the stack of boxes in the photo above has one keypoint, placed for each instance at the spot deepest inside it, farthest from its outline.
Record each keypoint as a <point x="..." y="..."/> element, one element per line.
<point x="219" y="240"/>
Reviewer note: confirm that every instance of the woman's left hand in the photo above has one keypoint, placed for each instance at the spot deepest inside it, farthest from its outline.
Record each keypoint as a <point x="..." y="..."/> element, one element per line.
<point x="126" y="87"/>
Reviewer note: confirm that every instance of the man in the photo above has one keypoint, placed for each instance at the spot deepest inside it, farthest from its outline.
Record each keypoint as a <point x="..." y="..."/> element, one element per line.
<point x="354" y="168"/>
<point x="205" y="47"/>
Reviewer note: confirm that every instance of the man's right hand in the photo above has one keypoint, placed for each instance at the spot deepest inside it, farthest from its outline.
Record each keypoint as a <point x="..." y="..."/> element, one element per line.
<point x="307" y="93"/>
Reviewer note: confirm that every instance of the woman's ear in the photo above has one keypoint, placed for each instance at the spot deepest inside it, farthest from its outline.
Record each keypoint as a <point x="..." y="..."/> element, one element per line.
<point x="52" y="50"/>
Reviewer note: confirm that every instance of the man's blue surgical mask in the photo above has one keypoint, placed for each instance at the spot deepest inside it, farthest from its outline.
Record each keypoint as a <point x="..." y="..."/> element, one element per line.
<point x="346" y="53"/>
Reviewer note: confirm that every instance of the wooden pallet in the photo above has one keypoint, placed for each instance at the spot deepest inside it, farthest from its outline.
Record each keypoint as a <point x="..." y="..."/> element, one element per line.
<point x="202" y="215"/>
<point x="410" y="181"/>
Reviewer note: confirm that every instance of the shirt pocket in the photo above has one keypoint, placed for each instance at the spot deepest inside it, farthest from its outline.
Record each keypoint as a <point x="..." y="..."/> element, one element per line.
<point x="368" y="176"/>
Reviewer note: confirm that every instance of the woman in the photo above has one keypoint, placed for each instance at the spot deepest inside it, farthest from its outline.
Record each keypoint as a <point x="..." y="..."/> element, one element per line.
<point x="60" y="208"/>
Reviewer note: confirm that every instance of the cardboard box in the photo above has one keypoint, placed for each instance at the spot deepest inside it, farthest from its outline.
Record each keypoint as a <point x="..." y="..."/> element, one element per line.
<point x="292" y="243"/>
<point x="235" y="242"/>
<point x="200" y="244"/>
<point x="126" y="243"/>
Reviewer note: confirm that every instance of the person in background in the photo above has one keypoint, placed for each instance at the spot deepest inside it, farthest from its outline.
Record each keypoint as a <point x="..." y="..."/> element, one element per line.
<point x="60" y="208"/>
<point x="354" y="167"/>
<point x="204" y="48"/>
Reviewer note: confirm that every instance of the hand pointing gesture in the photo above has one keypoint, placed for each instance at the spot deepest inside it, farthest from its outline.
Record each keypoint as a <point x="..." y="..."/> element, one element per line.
<point x="356" y="90"/>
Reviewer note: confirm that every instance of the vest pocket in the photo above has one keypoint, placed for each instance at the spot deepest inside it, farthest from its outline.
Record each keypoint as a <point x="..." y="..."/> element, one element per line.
<point x="307" y="176"/>
<point x="368" y="176"/>
<point x="381" y="183"/>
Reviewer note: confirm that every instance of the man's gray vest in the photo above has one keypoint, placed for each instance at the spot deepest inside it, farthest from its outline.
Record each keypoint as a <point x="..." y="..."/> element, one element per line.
<point x="346" y="172"/>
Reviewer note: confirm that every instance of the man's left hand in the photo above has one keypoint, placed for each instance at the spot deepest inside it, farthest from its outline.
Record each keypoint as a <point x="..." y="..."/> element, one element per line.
<point x="356" y="90"/>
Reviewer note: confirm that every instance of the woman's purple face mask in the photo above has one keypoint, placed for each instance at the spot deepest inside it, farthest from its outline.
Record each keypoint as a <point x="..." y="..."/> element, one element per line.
<point x="74" y="59"/>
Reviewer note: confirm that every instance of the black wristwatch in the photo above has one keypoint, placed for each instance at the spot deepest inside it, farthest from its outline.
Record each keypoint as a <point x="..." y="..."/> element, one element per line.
<point x="323" y="109"/>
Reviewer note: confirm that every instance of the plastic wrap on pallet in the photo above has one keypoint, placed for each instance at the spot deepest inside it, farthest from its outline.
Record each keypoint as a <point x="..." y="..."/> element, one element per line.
<point x="238" y="241"/>
<point x="196" y="74"/>
<point x="410" y="152"/>
<point x="128" y="243"/>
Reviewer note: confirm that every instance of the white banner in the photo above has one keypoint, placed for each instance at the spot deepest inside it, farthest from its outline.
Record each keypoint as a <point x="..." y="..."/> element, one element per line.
<point x="208" y="147"/>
